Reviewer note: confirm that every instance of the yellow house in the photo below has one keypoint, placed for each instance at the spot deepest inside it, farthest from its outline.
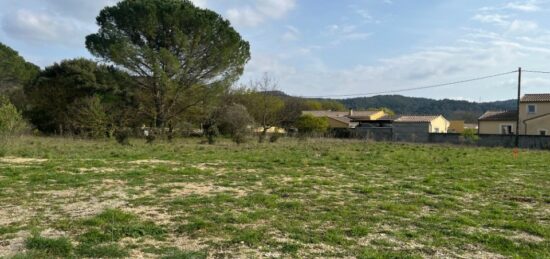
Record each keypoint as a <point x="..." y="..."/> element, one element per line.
<point x="498" y="122"/>
<point x="534" y="114"/>
<point x="456" y="127"/>
<point x="436" y="124"/>
<point x="367" y="115"/>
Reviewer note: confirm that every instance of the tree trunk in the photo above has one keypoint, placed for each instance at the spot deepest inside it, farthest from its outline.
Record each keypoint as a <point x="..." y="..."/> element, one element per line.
<point x="159" y="113"/>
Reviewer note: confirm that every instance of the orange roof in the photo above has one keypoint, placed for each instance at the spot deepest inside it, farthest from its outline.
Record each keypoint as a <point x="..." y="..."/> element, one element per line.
<point x="531" y="98"/>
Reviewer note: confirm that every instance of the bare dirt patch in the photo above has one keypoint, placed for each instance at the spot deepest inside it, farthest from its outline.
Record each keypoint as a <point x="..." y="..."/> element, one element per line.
<point x="92" y="206"/>
<point x="181" y="242"/>
<point x="527" y="237"/>
<point x="10" y="247"/>
<point x="153" y="161"/>
<point x="62" y="194"/>
<point x="12" y="214"/>
<point x="97" y="170"/>
<point x="112" y="195"/>
<point x="21" y="160"/>
<point x="470" y="251"/>
<point x="151" y="213"/>
<point x="186" y="189"/>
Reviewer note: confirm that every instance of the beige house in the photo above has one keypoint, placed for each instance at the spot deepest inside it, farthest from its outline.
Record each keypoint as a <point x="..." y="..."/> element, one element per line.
<point x="342" y="120"/>
<point x="498" y="122"/>
<point x="534" y="118"/>
<point x="436" y="124"/>
<point x="534" y="114"/>
<point x="339" y="122"/>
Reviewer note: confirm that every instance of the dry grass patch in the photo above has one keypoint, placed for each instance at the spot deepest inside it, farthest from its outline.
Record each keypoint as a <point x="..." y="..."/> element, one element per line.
<point x="21" y="160"/>
<point x="153" y="162"/>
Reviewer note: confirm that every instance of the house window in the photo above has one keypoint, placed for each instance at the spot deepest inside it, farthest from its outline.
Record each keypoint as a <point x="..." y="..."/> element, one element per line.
<point x="531" y="109"/>
<point x="543" y="132"/>
<point x="506" y="129"/>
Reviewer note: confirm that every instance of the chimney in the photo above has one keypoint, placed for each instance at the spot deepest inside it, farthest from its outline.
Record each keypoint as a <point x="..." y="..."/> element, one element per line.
<point x="350" y="112"/>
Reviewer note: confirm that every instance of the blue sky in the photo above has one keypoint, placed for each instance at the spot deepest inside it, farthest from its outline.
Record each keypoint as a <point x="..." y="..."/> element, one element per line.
<point x="321" y="48"/>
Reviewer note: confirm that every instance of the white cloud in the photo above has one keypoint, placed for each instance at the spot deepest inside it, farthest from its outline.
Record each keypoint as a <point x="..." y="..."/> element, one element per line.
<point x="200" y="3"/>
<point x="292" y="34"/>
<point x="476" y="54"/>
<point x="82" y="10"/>
<point x="40" y="27"/>
<point x="528" y="6"/>
<point x="492" y="18"/>
<point x="245" y="16"/>
<point x="260" y="11"/>
<point x="343" y="33"/>
<point x="366" y="16"/>
<point x="523" y="26"/>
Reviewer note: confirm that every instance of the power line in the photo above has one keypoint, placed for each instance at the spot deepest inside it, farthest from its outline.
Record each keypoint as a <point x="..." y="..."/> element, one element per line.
<point x="537" y="72"/>
<point x="416" y="88"/>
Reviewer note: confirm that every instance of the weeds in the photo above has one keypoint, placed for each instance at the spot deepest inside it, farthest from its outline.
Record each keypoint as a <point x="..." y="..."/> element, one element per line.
<point x="318" y="198"/>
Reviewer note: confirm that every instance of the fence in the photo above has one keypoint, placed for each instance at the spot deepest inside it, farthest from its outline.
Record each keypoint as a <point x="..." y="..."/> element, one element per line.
<point x="422" y="136"/>
<point x="508" y="141"/>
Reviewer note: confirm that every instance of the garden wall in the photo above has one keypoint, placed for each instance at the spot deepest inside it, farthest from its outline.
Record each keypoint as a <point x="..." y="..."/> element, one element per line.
<point x="486" y="140"/>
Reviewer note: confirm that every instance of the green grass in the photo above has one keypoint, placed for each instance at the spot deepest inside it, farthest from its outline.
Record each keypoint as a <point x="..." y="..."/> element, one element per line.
<point x="315" y="198"/>
<point x="61" y="247"/>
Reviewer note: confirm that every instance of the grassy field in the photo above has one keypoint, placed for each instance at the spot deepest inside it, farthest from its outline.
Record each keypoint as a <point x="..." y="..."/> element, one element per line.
<point x="316" y="198"/>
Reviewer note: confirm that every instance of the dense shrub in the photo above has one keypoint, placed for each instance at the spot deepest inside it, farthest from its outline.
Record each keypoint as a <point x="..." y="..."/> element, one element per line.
<point x="122" y="136"/>
<point x="308" y="124"/>
<point x="235" y="121"/>
<point x="470" y="136"/>
<point x="89" y="118"/>
<point x="275" y="137"/>
<point x="11" y="123"/>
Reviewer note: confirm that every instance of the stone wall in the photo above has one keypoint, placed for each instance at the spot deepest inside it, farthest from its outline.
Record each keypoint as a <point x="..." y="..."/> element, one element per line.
<point x="411" y="132"/>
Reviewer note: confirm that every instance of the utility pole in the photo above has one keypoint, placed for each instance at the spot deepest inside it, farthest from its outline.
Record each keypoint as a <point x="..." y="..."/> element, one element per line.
<point x="518" y="105"/>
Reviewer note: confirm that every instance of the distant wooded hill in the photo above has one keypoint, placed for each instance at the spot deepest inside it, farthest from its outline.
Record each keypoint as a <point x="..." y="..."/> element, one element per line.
<point x="451" y="109"/>
<point x="403" y="105"/>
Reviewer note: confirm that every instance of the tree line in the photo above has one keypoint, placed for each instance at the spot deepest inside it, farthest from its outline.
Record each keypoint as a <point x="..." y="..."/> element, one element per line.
<point x="162" y="65"/>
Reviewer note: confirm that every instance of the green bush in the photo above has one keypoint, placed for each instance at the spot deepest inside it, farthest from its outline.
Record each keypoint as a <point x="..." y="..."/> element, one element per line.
<point x="11" y="120"/>
<point x="122" y="137"/>
<point x="234" y="121"/>
<point x="307" y="124"/>
<point x="470" y="136"/>
<point x="11" y="123"/>
<point x="89" y="117"/>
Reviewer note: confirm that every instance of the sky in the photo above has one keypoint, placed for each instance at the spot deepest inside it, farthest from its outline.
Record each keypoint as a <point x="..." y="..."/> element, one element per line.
<point x="345" y="47"/>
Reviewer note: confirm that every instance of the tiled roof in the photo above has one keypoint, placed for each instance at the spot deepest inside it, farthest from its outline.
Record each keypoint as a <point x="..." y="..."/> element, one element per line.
<point x="340" y="114"/>
<point x="417" y="118"/>
<point x="530" y="98"/>
<point x="499" y="116"/>
<point x="368" y="118"/>
<point x="341" y="119"/>
<point x="325" y="113"/>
